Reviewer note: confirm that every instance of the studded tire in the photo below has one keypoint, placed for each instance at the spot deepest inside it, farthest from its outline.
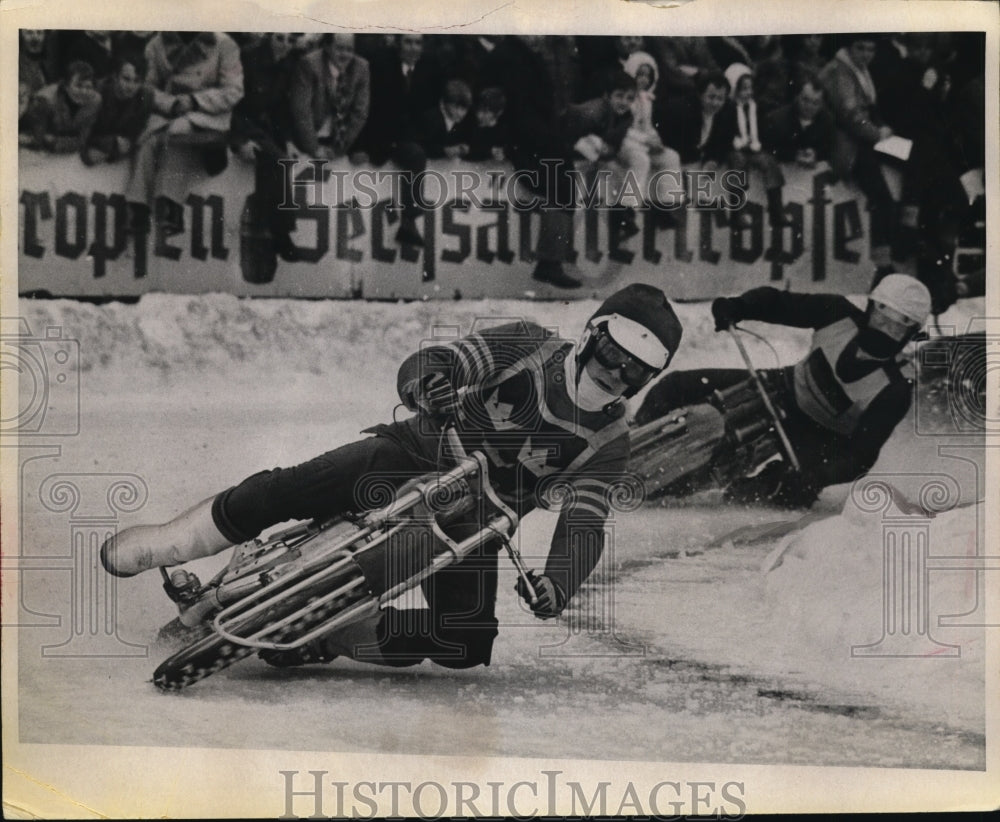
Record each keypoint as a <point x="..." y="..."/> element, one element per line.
<point x="213" y="653"/>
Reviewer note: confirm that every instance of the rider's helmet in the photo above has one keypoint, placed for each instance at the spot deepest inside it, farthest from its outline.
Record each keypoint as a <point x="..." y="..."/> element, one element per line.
<point x="897" y="309"/>
<point x="636" y="331"/>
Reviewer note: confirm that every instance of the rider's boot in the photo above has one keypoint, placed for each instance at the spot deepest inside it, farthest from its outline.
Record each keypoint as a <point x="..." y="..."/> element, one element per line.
<point x="189" y="536"/>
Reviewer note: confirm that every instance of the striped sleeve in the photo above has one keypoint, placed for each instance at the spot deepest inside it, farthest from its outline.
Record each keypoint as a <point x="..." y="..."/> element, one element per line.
<point x="578" y="541"/>
<point x="469" y="361"/>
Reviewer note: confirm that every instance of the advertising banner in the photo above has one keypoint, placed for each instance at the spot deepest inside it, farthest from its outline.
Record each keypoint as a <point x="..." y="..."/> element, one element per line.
<point x="478" y="234"/>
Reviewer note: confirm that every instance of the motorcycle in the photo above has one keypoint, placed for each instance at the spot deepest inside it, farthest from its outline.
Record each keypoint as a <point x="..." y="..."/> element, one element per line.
<point x="724" y="443"/>
<point x="315" y="578"/>
<point x="734" y="442"/>
<point x="718" y="444"/>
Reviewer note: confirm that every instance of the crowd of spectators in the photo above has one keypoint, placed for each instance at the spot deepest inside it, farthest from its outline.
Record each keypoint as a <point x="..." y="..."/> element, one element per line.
<point x="181" y="103"/>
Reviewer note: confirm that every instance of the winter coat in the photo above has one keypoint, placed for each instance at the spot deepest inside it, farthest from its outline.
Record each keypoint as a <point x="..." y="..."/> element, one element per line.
<point x="262" y="115"/>
<point x="679" y="124"/>
<point x="117" y="118"/>
<point x="57" y="123"/>
<point x="596" y="117"/>
<point x="784" y="135"/>
<point x="856" y="114"/>
<point x="208" y="68"/>
<point x="313" y="99"/>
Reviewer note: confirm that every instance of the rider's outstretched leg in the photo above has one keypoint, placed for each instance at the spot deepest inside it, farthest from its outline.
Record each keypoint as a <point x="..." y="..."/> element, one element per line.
<point x="191" y="535"/>
<point x="354" y="476"/>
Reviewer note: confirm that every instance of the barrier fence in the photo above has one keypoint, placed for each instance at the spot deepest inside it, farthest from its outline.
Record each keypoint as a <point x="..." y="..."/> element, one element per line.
<point x="478" y="242"/>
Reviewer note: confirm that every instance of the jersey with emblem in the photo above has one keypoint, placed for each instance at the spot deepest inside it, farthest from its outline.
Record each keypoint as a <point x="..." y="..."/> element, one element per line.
<point x="541" y="447"/>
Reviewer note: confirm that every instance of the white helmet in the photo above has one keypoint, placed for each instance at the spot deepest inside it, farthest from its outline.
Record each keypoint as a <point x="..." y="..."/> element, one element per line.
<point x="904" y="294"/>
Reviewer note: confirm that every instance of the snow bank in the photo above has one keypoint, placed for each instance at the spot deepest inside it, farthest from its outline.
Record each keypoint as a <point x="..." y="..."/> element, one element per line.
<point x="199" y="333"/>
<point x="165" y="338"/>
<point x="832" y="599"/>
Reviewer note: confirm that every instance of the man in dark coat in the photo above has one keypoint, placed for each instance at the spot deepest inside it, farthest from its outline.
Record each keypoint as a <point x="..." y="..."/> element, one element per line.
<point x="518" y="67"/>
<point x="261" y="131"/>
<point x="700" y="128"/>
<point x="802" y="131"/>
<point x="405" y="82"/>
<point x="126" y="103"/>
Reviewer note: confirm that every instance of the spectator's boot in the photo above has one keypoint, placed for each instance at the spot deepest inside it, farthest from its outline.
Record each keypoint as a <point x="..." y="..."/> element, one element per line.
<point x="551" y="271"/>
<point x="408" y="233"/>
<point x="555" y="234"/>
<point x="258" y="261"/>
<point x="191" y="535"/>
<point x="137" y="220"/>
<point x="169" y="216"/>
<point x="776" y="209"/>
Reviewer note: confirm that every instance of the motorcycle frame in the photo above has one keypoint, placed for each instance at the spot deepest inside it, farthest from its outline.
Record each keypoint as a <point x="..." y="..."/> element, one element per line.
<point x="785" y="442"/>
<point x="416" y="502"/>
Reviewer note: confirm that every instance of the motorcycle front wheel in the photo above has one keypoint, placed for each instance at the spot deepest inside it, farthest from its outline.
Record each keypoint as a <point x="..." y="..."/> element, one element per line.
<point x="214" y="652"/>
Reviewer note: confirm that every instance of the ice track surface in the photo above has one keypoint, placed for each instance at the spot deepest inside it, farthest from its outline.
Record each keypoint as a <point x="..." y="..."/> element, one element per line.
<point x="700" y="657"/>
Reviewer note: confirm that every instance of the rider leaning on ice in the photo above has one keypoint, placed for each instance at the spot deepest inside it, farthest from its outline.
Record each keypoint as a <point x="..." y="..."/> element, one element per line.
<point x="842" y="400"/>
<point x="539" y="407"/>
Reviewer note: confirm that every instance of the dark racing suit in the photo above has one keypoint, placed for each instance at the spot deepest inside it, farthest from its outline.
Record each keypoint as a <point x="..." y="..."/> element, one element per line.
<point x="841" y="407"/>
<point x="540" y="446"/>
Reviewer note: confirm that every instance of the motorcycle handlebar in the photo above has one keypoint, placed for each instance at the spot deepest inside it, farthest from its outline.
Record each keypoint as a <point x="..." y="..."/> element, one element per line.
<point x="457" y="451"/>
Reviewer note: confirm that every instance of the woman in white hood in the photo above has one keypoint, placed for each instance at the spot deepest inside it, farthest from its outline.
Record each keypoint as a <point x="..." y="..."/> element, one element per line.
<point x="643" y="152"/>
<point x="748" y="152"/>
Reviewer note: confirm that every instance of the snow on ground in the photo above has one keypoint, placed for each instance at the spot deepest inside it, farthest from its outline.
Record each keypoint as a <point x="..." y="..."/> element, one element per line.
<point x="699" y="656"/>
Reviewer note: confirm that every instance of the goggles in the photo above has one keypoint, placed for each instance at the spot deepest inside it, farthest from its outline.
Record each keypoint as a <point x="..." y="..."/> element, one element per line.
<point x="634" y="373"/>
<point x="891" y="322"/>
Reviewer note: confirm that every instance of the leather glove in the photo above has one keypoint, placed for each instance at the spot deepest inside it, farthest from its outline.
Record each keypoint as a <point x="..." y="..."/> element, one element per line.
<point x="436" y="396"/>
<point x="723" y="310"/>
<point x="550" y="597"/>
